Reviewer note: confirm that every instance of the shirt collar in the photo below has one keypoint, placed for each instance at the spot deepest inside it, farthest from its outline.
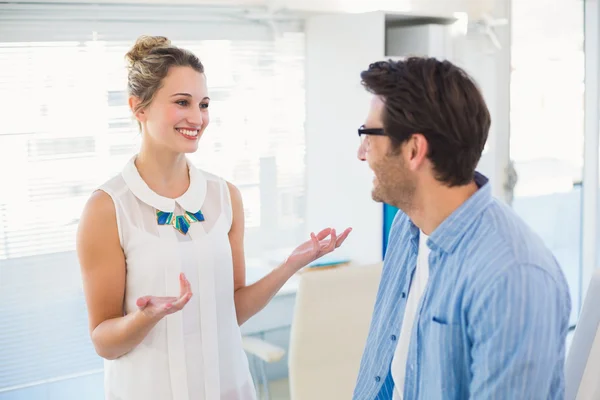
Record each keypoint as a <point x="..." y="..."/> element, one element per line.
<point x="449" y="233"/>
<point x="191" y="200"/>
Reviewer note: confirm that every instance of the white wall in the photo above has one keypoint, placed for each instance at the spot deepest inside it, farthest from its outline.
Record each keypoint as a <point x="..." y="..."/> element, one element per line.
<point x="338" y="184"/>
<point x="490" y="67"/>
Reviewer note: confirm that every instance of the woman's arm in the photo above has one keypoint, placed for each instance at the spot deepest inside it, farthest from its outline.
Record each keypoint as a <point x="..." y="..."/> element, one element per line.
<point x="102" y="265"/>
<point x="250" y="299"/>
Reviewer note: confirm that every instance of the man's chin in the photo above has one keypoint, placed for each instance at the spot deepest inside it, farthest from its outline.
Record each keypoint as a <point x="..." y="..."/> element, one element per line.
<point x="376" y="196"/>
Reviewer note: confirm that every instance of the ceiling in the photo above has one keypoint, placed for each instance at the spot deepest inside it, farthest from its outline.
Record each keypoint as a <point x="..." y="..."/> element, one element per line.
<point x="474" y="8"/>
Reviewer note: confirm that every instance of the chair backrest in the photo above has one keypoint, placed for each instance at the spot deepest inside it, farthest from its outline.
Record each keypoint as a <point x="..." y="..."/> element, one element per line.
<point x="582" y="371"/>
<point x="329" y="330"/>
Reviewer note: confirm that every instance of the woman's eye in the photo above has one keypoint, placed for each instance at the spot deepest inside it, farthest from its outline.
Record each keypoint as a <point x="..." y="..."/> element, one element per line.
<point x="182" y="103"/>
<point x="203" y="105"/>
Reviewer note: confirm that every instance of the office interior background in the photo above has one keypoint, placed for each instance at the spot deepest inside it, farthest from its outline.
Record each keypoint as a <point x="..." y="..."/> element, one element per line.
<point x="286" y="102"/>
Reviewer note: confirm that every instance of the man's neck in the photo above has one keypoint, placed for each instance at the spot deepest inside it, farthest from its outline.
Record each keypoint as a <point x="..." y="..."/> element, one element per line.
<point x="434" y="204"/>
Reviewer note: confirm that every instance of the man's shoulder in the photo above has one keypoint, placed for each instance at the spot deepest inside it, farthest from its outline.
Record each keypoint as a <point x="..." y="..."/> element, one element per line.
<point x="502" y="229"/>
<point x="502" y="243"/>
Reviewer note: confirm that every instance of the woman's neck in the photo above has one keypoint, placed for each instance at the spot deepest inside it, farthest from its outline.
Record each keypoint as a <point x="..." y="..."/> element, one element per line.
<point x="165" y="173"/>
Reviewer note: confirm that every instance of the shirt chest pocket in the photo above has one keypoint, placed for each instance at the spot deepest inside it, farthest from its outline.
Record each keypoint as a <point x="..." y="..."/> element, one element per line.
<point x="443" y="351"/>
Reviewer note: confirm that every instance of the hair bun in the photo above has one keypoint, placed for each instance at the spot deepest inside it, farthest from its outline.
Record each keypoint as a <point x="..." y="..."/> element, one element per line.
<point x="143" y="46"/>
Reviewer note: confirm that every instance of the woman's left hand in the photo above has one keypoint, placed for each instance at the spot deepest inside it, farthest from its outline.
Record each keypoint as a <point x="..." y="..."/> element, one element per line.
<point x="316" y="247"/>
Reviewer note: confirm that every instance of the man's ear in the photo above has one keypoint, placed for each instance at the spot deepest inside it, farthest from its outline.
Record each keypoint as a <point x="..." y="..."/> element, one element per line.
<point x="417" y="149"/>
<point x="134" y="102"/>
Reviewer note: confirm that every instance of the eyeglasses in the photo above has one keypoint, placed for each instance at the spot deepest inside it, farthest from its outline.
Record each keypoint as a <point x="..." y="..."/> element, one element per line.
<point x="364" y="132"/>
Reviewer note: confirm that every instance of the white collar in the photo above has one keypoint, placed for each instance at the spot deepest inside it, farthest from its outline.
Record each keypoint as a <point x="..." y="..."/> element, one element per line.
<point x="191" y="200"/>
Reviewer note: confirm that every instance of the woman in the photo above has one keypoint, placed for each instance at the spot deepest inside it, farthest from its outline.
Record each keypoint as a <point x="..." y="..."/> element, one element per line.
<point x="161" y="250"/>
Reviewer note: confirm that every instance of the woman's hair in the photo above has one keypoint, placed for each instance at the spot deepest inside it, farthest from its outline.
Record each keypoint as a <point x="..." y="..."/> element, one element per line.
<point x="149" y="61"/>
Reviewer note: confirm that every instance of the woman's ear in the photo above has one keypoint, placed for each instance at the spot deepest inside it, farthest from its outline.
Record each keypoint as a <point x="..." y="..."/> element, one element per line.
<point x="134" y="102"/>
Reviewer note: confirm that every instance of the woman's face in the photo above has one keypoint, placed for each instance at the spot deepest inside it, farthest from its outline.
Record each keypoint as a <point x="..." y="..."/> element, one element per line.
<point x="178" y="114"/>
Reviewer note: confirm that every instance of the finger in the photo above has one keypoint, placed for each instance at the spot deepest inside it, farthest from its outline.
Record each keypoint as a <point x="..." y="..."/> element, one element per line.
<point x="315" y="242"/>
<point x="342" y="237"/>
<point x="332" y="241"/>
<point x="182" y="301"/>
<point x="182" y="284"/>
<point x="142" y="301"/>
<point x="188" y="285"/>
<point x="323" y="234"/>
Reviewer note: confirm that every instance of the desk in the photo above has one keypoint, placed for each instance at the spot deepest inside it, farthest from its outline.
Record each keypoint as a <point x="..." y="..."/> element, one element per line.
<point x="277" y="314"/>
<point x="273" y="322"/>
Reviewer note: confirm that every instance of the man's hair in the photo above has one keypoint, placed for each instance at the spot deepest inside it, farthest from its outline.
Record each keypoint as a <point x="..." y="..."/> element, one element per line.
<point x="438" y="100"/>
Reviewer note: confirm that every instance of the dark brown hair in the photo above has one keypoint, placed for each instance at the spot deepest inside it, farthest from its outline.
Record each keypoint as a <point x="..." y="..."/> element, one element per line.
<point x="438" y="100"/>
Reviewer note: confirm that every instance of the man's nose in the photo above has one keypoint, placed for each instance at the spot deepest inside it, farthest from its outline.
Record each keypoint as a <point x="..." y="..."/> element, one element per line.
<point x="361" y="153"/>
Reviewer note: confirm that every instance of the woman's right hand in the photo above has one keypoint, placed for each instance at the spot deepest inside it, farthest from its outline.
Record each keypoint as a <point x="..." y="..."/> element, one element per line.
<point x="156" y="308"/>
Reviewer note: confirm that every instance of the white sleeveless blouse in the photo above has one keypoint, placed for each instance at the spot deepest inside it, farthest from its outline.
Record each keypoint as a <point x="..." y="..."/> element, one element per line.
<point x="196" y="353"/>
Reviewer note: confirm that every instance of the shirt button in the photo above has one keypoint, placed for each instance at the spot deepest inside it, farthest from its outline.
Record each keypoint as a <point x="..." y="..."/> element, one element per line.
<point x="377" y="379"/>
<point x="393" y="337"/>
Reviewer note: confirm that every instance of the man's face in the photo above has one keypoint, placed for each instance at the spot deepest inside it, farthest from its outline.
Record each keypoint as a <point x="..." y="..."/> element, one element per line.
<point x="393" y="183"/>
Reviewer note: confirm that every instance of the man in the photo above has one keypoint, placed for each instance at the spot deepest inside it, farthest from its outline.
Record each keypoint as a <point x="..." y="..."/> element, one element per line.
<point x="471" y="304"/>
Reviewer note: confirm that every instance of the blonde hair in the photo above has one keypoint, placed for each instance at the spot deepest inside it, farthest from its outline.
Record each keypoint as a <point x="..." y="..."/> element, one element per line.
<point x="149" y="61"/>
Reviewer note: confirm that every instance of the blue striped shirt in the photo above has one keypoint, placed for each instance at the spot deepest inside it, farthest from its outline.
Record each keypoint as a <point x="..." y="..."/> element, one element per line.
<point x="492" y="321"/>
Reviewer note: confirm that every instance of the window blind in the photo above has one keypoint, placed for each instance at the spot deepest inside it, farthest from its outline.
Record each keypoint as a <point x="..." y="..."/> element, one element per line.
<point x="66" y="128"/>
